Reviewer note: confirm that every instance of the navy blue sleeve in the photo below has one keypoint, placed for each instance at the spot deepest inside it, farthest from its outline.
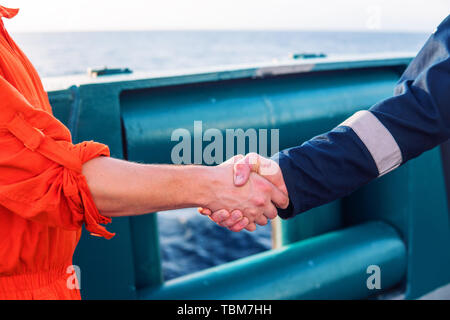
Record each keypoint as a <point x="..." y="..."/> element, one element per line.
<point x="323" y="169"/>
<point x="337" y="163"/>
<point x="418" y="116"/>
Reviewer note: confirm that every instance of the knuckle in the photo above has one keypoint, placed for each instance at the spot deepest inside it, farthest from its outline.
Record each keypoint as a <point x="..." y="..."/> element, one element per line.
<point x="225" y="223"/>
<point x="272" y="214"/>
<point x="259" y="201"/>
<point x="262" y="222"/>
<point x="238" y="227"/>
<point x="235" y="229"/>
<point x="218" y="216"/>
<point x="283" y="203"/>
<point x="252" y="213"/>
<point x="214" y="217"/>
<point x="252" y="157"/>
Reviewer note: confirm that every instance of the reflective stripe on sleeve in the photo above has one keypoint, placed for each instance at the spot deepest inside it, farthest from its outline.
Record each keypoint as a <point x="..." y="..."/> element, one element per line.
<point x="377" y="139"/>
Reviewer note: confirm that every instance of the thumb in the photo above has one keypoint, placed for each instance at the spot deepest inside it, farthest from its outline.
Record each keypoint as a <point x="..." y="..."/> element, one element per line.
<point x="241" y="173"/>
<point x="244" y="166"/>
<point x="270" y="170"/>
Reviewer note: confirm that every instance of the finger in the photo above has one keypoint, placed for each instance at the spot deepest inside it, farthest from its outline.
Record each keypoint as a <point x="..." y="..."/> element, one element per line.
<point x="261" y="220"/>
<point x="271" y="212"/>
<point x="250" y="227"/>
<point x="279" y="198"/>
<point x="204" y="211"/>
<point x="219" y="216"/>
<point x="236" y="215"/>
<point x="240" y="225"/>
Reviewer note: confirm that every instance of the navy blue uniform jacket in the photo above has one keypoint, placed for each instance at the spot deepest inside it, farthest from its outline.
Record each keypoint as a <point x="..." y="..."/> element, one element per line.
<point x="374" y="142"/>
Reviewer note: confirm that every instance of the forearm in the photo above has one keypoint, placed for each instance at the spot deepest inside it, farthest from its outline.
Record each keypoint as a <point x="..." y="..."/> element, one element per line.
<point x="122" y="188"/>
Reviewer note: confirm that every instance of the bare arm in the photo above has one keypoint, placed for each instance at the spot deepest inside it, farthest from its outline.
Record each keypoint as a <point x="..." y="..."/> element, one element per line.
<point x="122" y="188"/>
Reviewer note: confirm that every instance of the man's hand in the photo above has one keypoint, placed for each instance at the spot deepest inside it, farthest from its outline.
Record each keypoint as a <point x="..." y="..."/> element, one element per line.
<point x="243" y="167"/>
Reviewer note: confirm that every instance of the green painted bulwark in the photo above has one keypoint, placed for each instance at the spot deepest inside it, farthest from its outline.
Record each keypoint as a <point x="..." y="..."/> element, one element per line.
<point x="331" y="266"/>
<point x="326" y="250"/>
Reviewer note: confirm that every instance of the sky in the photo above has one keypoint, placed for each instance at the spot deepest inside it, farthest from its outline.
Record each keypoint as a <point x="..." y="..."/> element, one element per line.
<point x="351" y="15"/>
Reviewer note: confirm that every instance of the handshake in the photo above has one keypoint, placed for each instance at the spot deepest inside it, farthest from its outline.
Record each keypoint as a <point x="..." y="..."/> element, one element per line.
<point x="252" y="196"/>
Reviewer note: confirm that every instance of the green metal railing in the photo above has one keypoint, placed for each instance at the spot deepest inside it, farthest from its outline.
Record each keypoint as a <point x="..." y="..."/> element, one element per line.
<point x="329" y="266"/>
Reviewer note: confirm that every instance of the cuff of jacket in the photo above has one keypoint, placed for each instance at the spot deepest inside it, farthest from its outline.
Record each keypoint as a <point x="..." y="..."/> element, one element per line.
<point x="295" y="205"/>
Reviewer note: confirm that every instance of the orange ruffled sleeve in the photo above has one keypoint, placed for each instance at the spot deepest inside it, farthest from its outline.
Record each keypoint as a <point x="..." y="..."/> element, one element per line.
<point x="41" y="170"/>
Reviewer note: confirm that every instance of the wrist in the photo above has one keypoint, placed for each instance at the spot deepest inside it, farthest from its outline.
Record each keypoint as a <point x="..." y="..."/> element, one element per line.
<point x="203" y="184"/>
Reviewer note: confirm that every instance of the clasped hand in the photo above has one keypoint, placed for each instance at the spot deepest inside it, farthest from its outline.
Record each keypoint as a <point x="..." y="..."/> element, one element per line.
<point x="251" y="198"/>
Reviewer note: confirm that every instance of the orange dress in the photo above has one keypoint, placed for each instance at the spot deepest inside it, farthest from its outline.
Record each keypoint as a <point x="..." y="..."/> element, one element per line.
<point x="44" y="198"/>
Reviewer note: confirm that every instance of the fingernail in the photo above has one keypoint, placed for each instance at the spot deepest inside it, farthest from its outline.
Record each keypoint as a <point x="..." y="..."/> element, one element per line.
<point x="223" y="216"/>
<point x="237" y="215"/>
<point x="239" y="179"/>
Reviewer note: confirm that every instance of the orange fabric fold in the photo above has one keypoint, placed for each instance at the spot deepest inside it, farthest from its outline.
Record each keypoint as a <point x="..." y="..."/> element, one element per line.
<point x="8" y="12"/>
<point x="44" y="197"/>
